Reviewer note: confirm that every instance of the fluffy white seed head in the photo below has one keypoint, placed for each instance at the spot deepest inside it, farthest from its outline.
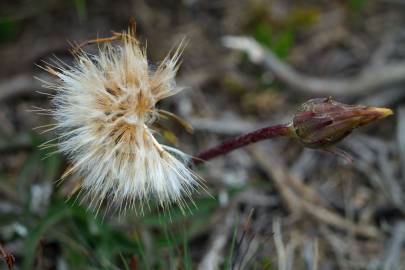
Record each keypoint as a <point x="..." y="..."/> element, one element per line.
<point x="104" y="108"/>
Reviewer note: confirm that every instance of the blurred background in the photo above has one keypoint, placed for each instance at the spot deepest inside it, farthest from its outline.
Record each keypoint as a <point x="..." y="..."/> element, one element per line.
<point x="274" y="205"/>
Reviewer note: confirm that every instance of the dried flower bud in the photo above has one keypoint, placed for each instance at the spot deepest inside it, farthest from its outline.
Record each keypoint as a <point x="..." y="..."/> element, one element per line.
<point x="322" y="122"/>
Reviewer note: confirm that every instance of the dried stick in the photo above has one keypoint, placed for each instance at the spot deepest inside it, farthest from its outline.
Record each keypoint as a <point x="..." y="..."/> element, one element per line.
<point x="213" y="258"/>
<point x="278" y="171"/>
<point x="370" y="79"/>
<point x="401" y="138"/>
<point x="18" y="85"/>
<point x="392" y="260"/>
<point x="8" y="257"/>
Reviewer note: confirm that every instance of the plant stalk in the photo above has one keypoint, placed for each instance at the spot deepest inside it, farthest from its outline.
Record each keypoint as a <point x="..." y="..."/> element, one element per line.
<point x="243" y="140"/>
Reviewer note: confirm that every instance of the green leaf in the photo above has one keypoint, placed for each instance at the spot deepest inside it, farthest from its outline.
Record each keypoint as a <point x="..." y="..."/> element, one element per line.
<point x="55" y="214"/>
<point x="283" y="44"/>
<point x="8" y="29"/>
<point x="263" y="34"/>
<point x="24" y="180"/>
<point x="186" y="255"/>
<point x="357" y="6"/>
<point x="232" y="247"/>
<point x="81" y="9"/>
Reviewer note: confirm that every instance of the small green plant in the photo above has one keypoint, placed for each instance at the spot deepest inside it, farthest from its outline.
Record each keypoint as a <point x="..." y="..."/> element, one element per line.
<point x="8" y="29"/>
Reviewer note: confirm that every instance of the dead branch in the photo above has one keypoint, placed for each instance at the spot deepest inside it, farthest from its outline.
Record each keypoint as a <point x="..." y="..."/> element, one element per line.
<point x="393" y="252"/>
<point x="8" y="257"/>
<point x="214" y="257"/>
<point x="401" y="138"/>
<point x="20" y="85"/>
<point x="285" y="253"/>
<point x="280" y="174"/>
<point x="385" y="98"/>
<point x="370" y="79"/>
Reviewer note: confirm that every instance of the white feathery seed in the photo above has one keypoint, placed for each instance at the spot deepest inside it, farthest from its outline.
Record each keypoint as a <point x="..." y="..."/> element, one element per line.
<point x="104" y="107"/>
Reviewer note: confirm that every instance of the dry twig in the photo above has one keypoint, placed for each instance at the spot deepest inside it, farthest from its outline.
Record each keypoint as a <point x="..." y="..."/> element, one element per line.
<point x="368" y="80"/>
<point x="393" y="252"/>
<point x="8" y="257"/>
<point x="401" y="138"/>
<point x="214" y="257"/>
<point x="20" y="85"/>
<point x="280" y="174"/>
<point x="285" y="254"/>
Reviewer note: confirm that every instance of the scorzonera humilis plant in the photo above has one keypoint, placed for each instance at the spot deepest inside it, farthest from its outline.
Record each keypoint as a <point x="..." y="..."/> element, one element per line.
<point x="105" y="112"/>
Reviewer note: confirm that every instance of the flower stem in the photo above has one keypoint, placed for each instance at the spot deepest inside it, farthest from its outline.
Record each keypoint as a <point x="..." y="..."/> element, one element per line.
<point x="243" y="140"/>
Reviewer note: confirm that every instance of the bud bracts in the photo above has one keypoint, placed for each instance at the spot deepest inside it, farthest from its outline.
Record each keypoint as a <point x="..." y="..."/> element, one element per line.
<point x="322" y="122"/>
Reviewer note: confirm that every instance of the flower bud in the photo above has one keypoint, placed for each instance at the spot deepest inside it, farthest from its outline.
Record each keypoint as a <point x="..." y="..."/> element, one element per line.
<point x="322" y="122"/>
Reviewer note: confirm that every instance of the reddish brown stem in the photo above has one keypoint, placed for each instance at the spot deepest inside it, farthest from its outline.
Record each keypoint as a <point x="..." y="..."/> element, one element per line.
<point x="243" y="140"/>
<point x="8" y="257"/>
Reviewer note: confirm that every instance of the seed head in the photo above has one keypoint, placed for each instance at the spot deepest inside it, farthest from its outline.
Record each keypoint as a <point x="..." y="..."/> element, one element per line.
<point x="104" y="108"/>
<point x="320" y="123"/>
